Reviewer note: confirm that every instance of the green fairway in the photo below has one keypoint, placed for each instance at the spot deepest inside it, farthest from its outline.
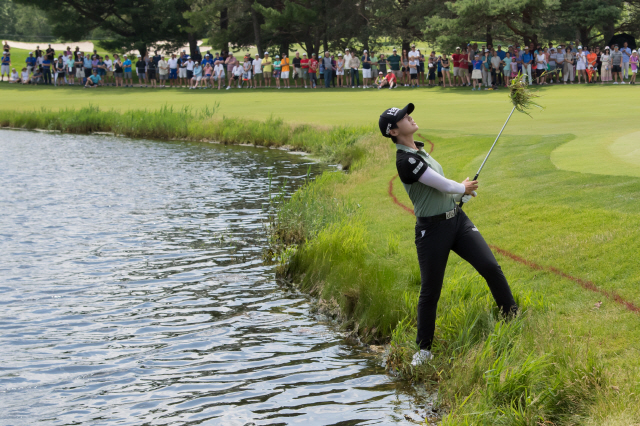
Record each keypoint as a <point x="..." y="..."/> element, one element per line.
<point x="594" y="115"/>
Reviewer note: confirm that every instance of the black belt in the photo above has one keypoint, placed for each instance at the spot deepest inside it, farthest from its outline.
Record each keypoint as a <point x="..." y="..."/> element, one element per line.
<point x="439" y="217"/>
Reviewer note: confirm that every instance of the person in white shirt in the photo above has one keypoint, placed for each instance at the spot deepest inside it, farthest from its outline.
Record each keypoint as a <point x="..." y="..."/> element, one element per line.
<point x="173" y="71"/>
<point x="163" y="71"/>
<point x="218" y="73"/>
<point x="108" y="66"/>
<point x="347" y="70"/>
<point x="541" y="66"/>
<point x="581" y="65"/>
<point x="190" y="65"/>
<point x="24" y="76"/>
<point x="237" y="75"/>
<point x="257" y="71"/>
<point x="14" y="77"/>
<point x="413" y="53"/>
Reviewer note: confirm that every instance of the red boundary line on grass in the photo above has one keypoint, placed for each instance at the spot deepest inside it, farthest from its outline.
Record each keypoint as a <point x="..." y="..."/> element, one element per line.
<point x="586" y="284"/>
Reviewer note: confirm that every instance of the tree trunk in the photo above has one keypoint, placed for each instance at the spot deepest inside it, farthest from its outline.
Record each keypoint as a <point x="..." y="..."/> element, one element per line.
<point x="405" y="46"/>
<point x="256" y="31"/>
<point x="142" y="48"/>
<point x="608" y="32"/>
<point x="284" y="47"/>
<point x="584" y="35"/>
<point x="526" y="19"/>
<point x="489" y="36"/>
<point x="224" y="25"/>
<point x="193" y="44"/>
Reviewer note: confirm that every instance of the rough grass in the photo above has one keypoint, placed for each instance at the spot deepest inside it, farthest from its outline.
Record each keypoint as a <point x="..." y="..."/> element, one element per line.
<point x="564" y="361"/>
<point x="332" y="144"/>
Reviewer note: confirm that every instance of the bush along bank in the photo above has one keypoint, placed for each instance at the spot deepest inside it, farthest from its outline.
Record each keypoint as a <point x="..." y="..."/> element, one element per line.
<point x="337" y="241"/>
<point x="166" y="123"/>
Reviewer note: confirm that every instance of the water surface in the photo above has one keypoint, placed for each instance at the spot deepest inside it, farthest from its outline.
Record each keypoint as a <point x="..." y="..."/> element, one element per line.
<point x="133" y="291"/>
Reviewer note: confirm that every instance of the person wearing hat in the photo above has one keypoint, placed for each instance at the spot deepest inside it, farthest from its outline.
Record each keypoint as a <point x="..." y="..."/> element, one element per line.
<point x="441" y="226"/>
<point x="304" y="67"/>
<point x="5" y="67"/>
<point x="394" y="63"/>
<point x="354" y="65"/>
<point x="526" y="61"/>
<point x="31" y="62"/>
<point x="267" y="69"/>
<point x="389" y="80"/>
<point x="605" y="68"/>
<point x="297" y="68"/>
<point x="347" y="69"/>
<point x="277" y="70"/>
<point x="379" y="79"/>
<point x="285" y="67"/>
<point x="455" y="58"/>
<point x="581" y="65"/>
<point x="340" y="70"/>
<point x="313" y="70"/>
<point x="558" y="57"/>
<point x="182" y="69"/>
<point x="141" y="68"/>
<point x="190" y="65"/>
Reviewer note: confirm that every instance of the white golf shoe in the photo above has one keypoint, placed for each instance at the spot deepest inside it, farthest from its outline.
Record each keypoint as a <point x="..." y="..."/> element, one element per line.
<point x="421" y="357"/>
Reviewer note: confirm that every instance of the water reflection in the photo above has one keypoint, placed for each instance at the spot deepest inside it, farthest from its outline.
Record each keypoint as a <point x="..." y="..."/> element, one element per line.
<point x="133" y="292"/>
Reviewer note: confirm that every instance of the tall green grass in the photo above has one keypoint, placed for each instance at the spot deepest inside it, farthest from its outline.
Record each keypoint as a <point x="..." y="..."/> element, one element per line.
<point x="334" y="144"/>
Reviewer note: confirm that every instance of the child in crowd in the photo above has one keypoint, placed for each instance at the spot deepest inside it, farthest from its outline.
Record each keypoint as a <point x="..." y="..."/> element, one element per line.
<point x="414" y="64"/>
<point x="633" y="61"/>
<point x="507" y="69"/>
<point x="476" y="75"/>
<point x="24" y="76"/>
<point x="246" y="75"/>
<point x="218" y="73"/>
<point x="277" y="68"/>
<point x="379" y="80"/>
<point x="208" y="76"/>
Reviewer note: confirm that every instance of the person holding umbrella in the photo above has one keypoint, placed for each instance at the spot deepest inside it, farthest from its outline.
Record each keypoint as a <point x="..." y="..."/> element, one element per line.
<point x="441" y="226"/>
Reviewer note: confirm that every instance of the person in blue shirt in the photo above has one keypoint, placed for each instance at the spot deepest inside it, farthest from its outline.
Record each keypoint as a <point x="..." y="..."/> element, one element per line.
<point x="46" y="69"/>
<point x="87" y="64"/>
<point x="31" y="63"/>
<point x="207" y="60"/>
<point x="527" y="59"/>
<point x="626" y="55"/>
<point x="6" y="64"/>
<point x="93" y="80"/>
<point x="126" y="66"/>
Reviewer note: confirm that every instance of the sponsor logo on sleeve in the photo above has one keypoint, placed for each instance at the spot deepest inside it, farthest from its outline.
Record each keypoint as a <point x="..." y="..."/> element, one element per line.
<point x="418" y="167"/>
<point x="412" y="160"/>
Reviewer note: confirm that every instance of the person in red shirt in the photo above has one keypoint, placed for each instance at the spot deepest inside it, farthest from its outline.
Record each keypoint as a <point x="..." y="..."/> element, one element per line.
<point x="463" y="72"/>
<point x="313" y="69"/>
<point x="304" y="66"/>
<point x="390" y="80"/>
<point x="456" y="67"/>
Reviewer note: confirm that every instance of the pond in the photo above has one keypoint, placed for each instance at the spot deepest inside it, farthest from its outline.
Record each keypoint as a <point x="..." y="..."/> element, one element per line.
<point x="133" y="291"/>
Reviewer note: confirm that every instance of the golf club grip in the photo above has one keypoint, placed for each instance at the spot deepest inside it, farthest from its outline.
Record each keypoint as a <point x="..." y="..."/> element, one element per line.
<point x="474" y="178"/>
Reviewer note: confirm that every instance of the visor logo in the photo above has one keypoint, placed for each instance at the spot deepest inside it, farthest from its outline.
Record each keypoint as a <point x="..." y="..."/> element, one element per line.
<point x="393" y="111"/>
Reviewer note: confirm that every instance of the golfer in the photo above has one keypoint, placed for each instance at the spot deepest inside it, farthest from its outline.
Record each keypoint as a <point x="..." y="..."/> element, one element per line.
<point x="441" y="226"/>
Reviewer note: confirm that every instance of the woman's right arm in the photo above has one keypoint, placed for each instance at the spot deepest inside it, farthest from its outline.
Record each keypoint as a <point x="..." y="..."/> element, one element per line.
<point x="431" y="178"/>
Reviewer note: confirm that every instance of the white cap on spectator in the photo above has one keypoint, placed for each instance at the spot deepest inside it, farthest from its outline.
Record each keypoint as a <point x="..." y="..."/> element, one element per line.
<point x="365" y="51"/>
<point x="304" y="54"/>
<point x="457" y="48"/>
<point x="579" y="47"/>
<point x="380" y="73"/>
<point x="278" y="56"/>
<point x="388" y="71"/>
<point x="30" y="53"/>
<point x="634" y="51"/>
<point x="394" y="49"/>
<point x="486" y="50"/>
<point x="139" y="56"/>
<point x="339" y="54"/>
<point x="607" y="48"/>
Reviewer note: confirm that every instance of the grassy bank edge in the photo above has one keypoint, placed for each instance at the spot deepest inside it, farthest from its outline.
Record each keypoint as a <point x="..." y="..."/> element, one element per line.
<point x="332" y="144"/>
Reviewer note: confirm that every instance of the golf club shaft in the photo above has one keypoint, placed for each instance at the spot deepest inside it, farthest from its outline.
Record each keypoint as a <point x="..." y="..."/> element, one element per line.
<point x="489" y="153"/>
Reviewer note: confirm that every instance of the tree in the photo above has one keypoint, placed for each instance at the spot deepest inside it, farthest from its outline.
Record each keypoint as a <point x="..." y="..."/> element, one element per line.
<point x="135" y="24"/>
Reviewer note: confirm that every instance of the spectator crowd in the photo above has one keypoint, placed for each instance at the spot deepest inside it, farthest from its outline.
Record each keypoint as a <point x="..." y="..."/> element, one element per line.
<point x="472" y="66"/>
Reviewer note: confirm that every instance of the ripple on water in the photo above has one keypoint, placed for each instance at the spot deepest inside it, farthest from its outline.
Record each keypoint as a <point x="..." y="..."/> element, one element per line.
<point x="133" y="292"/>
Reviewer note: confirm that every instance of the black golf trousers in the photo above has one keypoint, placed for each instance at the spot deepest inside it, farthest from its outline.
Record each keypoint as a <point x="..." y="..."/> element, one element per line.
<point x="434" y="241"/>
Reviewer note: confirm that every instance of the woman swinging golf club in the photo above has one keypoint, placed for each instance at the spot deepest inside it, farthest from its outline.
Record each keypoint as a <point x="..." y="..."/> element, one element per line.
<point x="441" y="226"/>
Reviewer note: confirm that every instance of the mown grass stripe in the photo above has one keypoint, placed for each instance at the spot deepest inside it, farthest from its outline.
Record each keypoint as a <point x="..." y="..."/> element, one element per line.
<point x="586" y="284"/>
